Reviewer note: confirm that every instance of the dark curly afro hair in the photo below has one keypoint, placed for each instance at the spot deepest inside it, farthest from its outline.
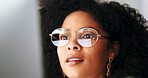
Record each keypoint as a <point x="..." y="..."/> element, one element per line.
<point x="121" y="22"/>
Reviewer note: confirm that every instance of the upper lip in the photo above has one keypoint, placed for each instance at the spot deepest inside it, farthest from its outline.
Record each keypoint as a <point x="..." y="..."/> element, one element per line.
<point x="74" y="56"/>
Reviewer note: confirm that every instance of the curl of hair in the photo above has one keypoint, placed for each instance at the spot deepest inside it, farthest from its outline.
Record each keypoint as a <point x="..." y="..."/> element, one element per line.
<point x="121" y="22"/>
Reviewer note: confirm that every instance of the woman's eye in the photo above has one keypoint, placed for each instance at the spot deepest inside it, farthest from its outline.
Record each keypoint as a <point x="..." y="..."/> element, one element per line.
<point x="64" y="37"/>
<point x="88" y="36"/>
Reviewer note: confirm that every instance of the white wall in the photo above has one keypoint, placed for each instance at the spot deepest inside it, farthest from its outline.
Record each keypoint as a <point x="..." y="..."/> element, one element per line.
<point x="144" y="8"/>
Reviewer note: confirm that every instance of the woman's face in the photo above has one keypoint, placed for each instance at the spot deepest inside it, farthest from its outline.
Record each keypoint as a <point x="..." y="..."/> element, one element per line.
<point x="84" y="62"/>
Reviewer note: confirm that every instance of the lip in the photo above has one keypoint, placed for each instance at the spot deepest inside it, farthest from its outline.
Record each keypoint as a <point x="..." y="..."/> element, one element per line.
<point x="74" y="62"/>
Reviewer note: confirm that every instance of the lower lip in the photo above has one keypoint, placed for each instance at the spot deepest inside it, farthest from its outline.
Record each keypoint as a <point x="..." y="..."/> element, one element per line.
<point x="74" y="62"/>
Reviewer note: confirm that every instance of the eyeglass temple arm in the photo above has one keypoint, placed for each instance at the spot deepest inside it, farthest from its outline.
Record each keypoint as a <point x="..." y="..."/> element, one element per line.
<point x="104" y="36"/>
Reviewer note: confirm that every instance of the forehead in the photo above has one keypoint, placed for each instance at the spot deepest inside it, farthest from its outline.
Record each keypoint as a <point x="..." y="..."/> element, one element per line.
<point x="80" y="19"/>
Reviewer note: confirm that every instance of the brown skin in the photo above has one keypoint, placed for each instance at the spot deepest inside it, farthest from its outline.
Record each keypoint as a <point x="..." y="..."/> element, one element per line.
<point x="95" y="57"/>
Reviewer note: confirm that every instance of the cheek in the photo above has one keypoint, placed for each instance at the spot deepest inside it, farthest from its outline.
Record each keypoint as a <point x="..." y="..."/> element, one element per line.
<point x="99" y="51"/>
<point x="61" y="55"/>
<point x="97" y="56"/>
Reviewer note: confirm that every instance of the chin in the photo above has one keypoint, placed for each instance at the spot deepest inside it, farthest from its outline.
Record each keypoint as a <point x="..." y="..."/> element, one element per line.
<point x="76" y="74"/>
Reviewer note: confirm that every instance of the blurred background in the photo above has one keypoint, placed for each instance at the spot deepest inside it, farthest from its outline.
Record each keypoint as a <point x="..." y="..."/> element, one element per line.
<point x="20" y="45"/>
<point x="141" y="5"/>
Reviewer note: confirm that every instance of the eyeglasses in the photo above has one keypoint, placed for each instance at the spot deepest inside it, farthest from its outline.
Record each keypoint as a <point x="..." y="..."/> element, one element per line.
<point x="86" y="37"/>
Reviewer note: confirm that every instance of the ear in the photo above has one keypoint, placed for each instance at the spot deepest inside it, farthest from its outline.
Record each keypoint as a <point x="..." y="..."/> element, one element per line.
<point x="114" y="49"/>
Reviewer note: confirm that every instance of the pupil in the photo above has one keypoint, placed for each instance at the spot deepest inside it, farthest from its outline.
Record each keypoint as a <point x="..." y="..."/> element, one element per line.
<point x="88" y="36"/>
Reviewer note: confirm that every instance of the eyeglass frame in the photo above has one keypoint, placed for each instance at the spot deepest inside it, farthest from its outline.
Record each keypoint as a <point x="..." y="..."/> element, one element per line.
<point x="98" y="35"/>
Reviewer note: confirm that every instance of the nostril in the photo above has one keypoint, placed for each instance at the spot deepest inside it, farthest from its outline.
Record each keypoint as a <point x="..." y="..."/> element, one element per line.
<point x="68" y="48"/>
<point x="76" y="47"/>
<point x="72" y="48"/>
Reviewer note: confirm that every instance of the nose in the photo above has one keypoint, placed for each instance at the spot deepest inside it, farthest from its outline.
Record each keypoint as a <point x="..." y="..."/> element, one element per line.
<point x="70" y="48"/>
<point x="73" y="45"/>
